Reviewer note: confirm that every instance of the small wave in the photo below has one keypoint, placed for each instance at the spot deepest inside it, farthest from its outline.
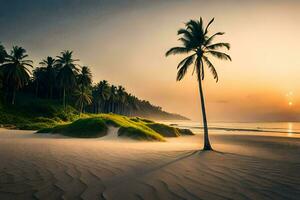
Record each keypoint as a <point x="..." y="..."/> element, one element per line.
<point x="242" y="129"/>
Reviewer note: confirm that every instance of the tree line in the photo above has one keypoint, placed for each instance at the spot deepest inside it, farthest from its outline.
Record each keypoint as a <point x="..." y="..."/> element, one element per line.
<point x="62" y="78"/>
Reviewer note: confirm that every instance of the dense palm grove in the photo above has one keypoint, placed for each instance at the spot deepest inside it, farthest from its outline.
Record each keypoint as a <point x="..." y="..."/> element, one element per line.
<point x="61" y="79"/>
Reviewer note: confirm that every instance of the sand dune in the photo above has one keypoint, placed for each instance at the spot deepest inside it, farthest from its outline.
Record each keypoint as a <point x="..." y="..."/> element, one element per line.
<point x="248" y="166"/>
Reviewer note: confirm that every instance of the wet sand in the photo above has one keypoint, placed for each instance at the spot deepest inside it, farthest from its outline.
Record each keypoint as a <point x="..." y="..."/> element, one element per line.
<point x="243" y="166"/>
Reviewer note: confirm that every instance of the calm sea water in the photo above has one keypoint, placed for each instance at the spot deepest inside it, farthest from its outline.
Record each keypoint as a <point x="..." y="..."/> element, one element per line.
<point x="280" y="128"/>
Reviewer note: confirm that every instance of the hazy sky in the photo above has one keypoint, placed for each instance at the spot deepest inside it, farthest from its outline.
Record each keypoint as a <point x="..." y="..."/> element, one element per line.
<point x="124" y="42"/>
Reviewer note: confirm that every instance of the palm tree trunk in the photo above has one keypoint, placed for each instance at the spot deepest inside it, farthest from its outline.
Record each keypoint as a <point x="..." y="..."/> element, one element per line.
<point x="51" y="91"/>
<point x="207" y="145"/>
<point x="98" y="107"/>
<point x="64" y="97"/>
<point x="13" y="97"/>
<point x="111" y="107"/>
<point x="37" y="89"/>
<point x="81" y="108"/>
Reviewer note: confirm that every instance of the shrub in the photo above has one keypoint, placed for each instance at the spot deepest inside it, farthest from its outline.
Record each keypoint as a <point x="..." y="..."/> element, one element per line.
<point x="83" y="128"/>
<point x="164" y="130"/>
<point x="139" y="134"/>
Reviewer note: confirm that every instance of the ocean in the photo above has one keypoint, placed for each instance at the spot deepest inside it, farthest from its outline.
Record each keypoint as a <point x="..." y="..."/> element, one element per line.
<point x="278" y="128"/>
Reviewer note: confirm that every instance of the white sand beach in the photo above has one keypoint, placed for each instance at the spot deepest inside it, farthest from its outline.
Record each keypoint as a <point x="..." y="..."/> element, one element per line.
<point x="243" y="166"/>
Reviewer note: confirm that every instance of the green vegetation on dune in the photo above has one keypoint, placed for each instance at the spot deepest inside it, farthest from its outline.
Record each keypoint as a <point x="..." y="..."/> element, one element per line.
<point x="37" y="114"/>
<point x="139" y="133"/>
<point x="168" y="131"/>
<point x="83" y="128"/>
<point x="49" y="116"/>
<point x="97" y="126"/>
<point x="185" y="131"/>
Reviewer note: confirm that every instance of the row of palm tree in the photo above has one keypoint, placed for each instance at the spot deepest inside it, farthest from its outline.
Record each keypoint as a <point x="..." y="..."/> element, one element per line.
<point x="115" y="99"/>
<point x="62" y="78"/>
<point x="60" y="73"/>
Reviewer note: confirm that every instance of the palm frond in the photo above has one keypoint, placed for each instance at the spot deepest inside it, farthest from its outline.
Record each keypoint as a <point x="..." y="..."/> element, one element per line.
<point x="184" y="32"/>
<point x="27" y="64"/>
<point x="220" y="55"/>
<point x="59" y="57"/>
<point x="185" y="60"/>
<point x="199" y="68"/>
<point x="185" y="42"/>
<point x="218" y="45"/>
<point x="194" y="27"/>
<point x="24" y="56"/>
<point x="212" y="68"/>
<point x="210" y="39"/>
<point x="28" y="61"/>
<point x="183" y="69"/>
<point x="202" y="70"/>
<point x="177" y="50"/>
<point x="210" y="22"/>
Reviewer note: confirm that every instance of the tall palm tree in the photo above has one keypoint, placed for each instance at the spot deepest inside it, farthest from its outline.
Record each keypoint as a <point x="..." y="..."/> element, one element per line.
<point x="133" y="104"/>
<point x="2" y="59"/>
<point x="113" y="98"/>
<point x="198" y="44"/>
<point x="101" y="95"/>
<point x="67" y="72"/>
<point x="85" y="77"/>
<point x="84" y="98"/>
<point x="2" y="54"/>
<point x="15" y="70"/>
<point x="39" y="76"/>
<point x="121" y="99"/>
<point x="50" y="64"/>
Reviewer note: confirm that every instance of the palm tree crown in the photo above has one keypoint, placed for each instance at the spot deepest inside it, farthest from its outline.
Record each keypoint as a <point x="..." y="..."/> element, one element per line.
<point x="67" y="69"/>
<point x="101" y="95"/>
<point x="50" y="65"/>
<point x="103" y="90"/>
<point x="85" y="77"/>
<point x="84" y="97"/>
<point x="199" y="45"/>
<point x="49" y="62"/>
<point x="2" y="53"/>
<point x="15" y="70"/>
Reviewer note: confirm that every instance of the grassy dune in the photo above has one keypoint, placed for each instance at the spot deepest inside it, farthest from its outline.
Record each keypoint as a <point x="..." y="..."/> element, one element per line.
<point x="83" y="128"/>
<point x="135" y="128"/>
<point x="50" y="117"/>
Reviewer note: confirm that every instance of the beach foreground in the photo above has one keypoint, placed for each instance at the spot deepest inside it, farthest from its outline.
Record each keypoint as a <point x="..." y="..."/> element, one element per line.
<point x="37" y="166"/>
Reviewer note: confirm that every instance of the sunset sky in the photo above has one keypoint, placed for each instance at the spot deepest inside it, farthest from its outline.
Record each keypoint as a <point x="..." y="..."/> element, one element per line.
<point x="124" y="42"/>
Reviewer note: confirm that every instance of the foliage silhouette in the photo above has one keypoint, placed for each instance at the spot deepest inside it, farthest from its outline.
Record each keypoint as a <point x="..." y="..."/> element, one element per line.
<point x="199" y="46"/>
<point x="15" y="72"/>
<point x="61" y="78"/>
<point x="67" y="72"/>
